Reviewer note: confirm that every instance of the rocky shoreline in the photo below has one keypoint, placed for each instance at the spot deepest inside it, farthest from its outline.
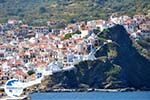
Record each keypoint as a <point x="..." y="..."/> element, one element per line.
<point x="90" y="90"/>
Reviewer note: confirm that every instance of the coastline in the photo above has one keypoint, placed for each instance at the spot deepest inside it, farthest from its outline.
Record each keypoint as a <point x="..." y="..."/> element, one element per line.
<point x="27" y="97"/>
<point x="89" y="90"/>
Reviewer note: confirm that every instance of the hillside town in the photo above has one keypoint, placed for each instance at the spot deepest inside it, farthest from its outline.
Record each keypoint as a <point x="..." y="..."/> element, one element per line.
<point x="26" y="50"/>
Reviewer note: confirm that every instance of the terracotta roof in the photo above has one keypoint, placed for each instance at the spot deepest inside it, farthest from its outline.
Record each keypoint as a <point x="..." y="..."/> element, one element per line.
<point x="44" y="38"/>
<point x="18" y="62"/>
<point x="71" y="46"/>
<point x="24" y="26"/>
<point x="2" y="46"/>
<point x="20" y="72"/>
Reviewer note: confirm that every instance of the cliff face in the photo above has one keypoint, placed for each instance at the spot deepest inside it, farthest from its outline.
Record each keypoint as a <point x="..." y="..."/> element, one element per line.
<point x="135" y="68"/>
<point x="119" y="65"/>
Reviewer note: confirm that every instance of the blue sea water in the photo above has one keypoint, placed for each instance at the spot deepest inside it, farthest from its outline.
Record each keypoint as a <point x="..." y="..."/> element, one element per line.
<point x="92" y="96"/>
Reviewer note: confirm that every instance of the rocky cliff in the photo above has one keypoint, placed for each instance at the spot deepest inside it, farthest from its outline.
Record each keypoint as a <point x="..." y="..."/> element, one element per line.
<point x="119" y="65"/>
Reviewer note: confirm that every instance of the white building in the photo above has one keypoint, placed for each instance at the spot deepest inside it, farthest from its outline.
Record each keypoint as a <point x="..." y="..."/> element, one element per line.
<point x="84" y="33"/>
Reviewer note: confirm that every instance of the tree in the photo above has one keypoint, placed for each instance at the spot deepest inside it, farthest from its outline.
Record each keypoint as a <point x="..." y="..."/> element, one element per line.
<point x="78" y="32"/>
<point x="67" y="36"/>
<point x="60" y="25"/>
<point x="42" y="10"/>
<point x="31" y="72"/>
<point x="96" y="31"/>
<point x="50" y="29"/>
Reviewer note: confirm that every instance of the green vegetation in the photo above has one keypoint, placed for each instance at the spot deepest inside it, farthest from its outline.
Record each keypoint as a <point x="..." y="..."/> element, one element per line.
<point x="96" y="31"/>
<point x="112" y="53"/>
<point x="31" y="72"/>
<point x="105" y="30"/>
<point x="112" y="50"/>
<point x="42" y="10"/>
<point x="114" y="70"/>
<point x="39" y="11"/>
<point x="103" y="35"/>
<point x="143" y="47"/>
<point x="69" y="35"/>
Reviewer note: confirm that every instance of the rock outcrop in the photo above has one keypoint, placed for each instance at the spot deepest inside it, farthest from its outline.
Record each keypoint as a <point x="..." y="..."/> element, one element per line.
<point x="119" y="65"/>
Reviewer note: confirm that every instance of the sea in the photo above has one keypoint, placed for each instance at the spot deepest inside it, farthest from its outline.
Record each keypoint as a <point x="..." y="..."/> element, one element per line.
<point x="91" y="96"/>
